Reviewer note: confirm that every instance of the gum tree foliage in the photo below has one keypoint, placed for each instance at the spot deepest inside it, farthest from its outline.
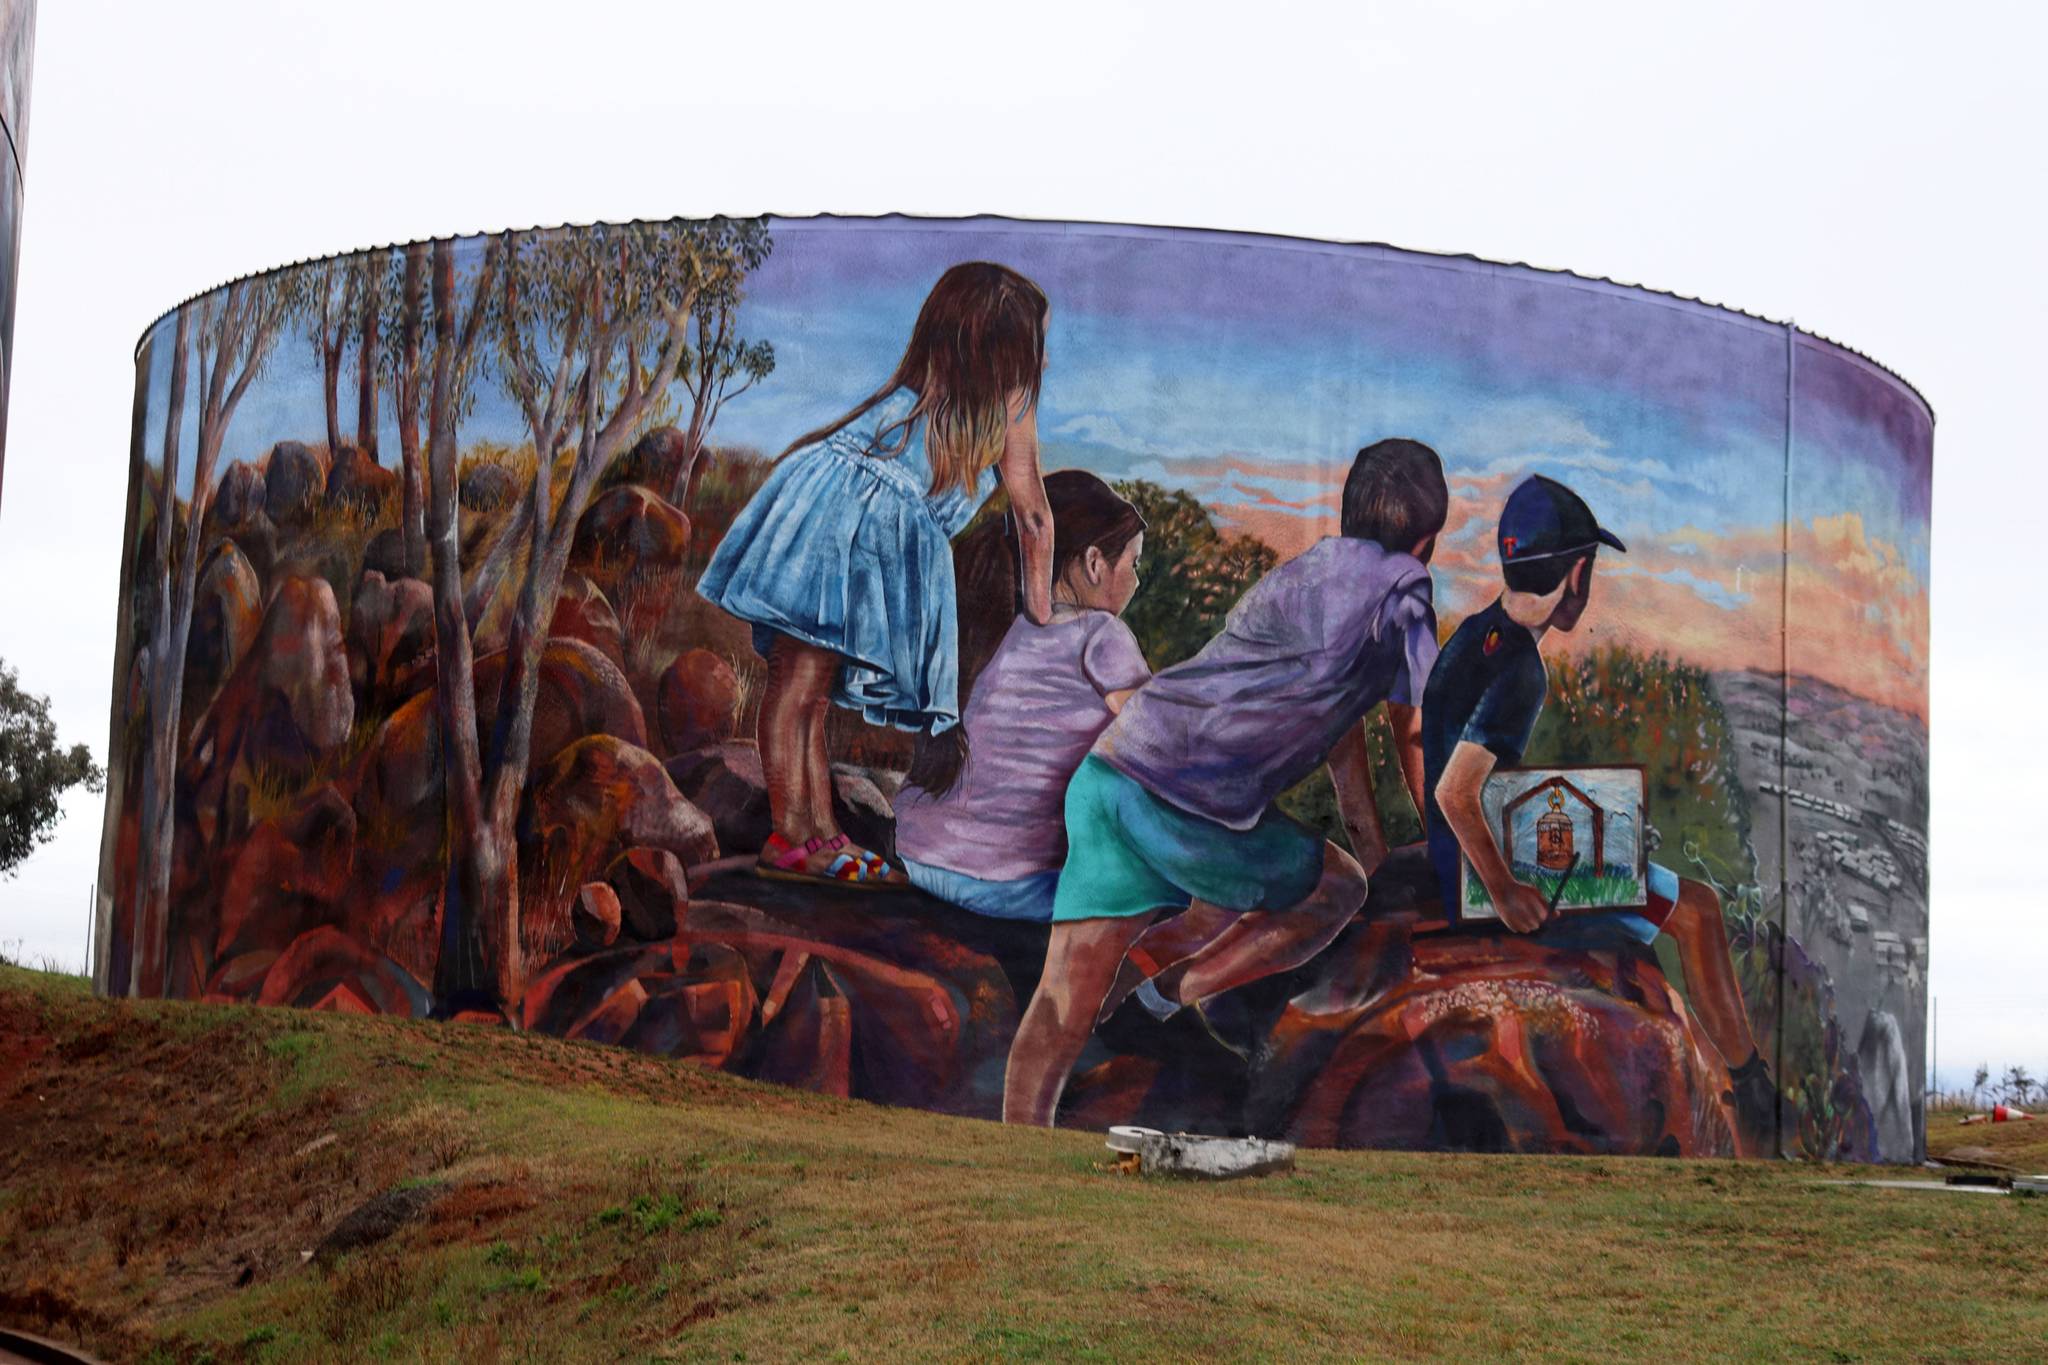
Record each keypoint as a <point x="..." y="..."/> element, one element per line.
<point x="34" y="772"/>
<point x="228" y="335"/>
<point x="718" y="364"/>
<point x="1190" y="574"/>
<point x="591" y="329"/>
<point x="718" y="355"/>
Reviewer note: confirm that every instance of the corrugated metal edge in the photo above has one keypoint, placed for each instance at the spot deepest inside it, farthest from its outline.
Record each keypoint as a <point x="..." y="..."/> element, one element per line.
<point x="1553" y="272"/>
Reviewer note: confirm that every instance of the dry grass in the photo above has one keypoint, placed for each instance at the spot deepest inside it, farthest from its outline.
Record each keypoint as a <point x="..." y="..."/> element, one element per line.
<point x="2023" y="1146"/>
<point x="601" y="1205"/>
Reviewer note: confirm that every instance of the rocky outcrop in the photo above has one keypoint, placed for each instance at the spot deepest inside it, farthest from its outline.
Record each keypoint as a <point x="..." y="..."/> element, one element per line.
<point x="227" y="611"/>
<point x="657" y="459"/>
<point x="287" y="703"/>
<point x="488" y="487"/>
<point x="356" y="480"/>
<point x="651" y="890"/>
<point x="726" y="781"/>
<point x="629" y="533"/>
<point x="1494" y="1043"/>
<point x="390" y="640"/>
<point x="239" y="499"/>
<point x="583" y="613"/>
<point x="385" y="554"/>
<point x="593" y="800"/>
<point x="287" y="876"/>
<point x="698" y="701"/>
<point x="580" y="693"/>
<point x="294" y="482"/>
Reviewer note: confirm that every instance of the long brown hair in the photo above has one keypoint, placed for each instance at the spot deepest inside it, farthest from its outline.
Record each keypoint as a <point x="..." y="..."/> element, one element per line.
<point x="979" y="339"/>
<point x="1086" y="512"/>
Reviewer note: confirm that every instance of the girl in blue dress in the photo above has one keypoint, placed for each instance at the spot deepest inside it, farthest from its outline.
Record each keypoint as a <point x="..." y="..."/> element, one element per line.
<point x="842" y="560"/>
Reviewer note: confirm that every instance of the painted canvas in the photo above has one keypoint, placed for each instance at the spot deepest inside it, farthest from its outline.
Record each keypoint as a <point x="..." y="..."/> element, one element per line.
<point x="1043" y="672"/>
<point x="1575" y="832"/>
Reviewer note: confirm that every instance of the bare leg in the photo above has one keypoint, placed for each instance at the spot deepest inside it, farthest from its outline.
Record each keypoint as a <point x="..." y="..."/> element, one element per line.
<point x="1261" y="942"/>
<point x="1162" y="947"/>
<point x="792" y="707"/>
<point x="1697" y="929"/>
<point x="1081" y="961"/>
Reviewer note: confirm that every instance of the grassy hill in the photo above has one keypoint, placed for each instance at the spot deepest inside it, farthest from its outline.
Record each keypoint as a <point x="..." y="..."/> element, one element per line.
<point x="166" y="1168"/>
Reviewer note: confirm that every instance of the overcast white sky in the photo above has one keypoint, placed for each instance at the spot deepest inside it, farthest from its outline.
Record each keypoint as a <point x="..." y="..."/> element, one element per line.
<point x="1874" y="171"/>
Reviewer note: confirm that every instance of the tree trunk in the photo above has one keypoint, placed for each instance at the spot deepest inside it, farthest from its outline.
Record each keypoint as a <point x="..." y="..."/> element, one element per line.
<point x="330" y="378"/>
<point x="148" y="936"/>
<point x="405" y="392"/>
<point x="474" y="887"/>
<point x="366" y="366"/>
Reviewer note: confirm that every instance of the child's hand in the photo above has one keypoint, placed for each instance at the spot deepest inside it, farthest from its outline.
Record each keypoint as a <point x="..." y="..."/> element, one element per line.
<point x="1523" y="909"/>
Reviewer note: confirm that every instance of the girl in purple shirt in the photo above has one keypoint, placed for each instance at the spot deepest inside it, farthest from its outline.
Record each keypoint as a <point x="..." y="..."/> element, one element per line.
<point x="981" y="821"/>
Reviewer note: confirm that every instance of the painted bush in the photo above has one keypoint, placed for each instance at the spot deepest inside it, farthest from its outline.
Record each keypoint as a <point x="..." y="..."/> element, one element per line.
<point x="419" y="709"/>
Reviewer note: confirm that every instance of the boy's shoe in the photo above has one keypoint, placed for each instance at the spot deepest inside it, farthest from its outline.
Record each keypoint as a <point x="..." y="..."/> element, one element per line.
<point x="1755" y="1098"/>
<point x="1231" y="1021"/>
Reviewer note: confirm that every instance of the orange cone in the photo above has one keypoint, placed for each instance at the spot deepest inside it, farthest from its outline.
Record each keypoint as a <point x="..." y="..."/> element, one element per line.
<point x="2005" y="1113"/>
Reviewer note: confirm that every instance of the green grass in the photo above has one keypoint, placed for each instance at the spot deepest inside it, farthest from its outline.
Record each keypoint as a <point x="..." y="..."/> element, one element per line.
<point x="1580" y="889"/>
<point x="604" y="1205"/>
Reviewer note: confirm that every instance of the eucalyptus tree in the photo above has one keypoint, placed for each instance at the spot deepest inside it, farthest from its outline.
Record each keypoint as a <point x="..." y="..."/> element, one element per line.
<point x="719" y="354"/>
<point x="228" y="334"/>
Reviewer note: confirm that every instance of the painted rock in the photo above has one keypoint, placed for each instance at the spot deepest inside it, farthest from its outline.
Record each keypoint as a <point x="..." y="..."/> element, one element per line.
<point x="698" y="701"/>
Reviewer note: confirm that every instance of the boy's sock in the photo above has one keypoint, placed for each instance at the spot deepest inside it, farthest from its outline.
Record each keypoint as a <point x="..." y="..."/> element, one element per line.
<point x="1156" y="1004"/>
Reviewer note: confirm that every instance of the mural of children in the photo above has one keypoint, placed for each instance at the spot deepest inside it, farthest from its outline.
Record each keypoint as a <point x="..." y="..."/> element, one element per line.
<point x="842" y="559"/>
<point x="979" y="822"/>
<point x="1478" y="712"/>
<point x="1173" y="808"/>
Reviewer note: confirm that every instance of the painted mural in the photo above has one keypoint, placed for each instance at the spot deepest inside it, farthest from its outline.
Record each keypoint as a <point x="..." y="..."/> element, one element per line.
<point x="1049" y="672"/>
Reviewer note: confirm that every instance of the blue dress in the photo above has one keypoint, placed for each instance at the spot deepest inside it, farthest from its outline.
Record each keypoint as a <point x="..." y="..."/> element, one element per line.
<point x="851" y="551"/>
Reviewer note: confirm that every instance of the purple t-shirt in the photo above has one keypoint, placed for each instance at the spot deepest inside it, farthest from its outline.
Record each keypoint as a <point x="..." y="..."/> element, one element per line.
<point x="1314" y="645"/>
<point x="1034" y="711"/>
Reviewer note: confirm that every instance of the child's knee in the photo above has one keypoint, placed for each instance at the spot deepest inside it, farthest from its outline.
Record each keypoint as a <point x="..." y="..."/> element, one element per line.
<point x="1343" y="886"/>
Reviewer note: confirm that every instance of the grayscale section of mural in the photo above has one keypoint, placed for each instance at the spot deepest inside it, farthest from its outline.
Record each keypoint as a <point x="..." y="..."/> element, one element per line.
<point x="440" y="687"/>
<point x="17" y="64"/>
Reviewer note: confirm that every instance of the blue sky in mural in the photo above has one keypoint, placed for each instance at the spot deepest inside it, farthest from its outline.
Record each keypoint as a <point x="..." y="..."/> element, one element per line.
<point x="1247" y="371"/>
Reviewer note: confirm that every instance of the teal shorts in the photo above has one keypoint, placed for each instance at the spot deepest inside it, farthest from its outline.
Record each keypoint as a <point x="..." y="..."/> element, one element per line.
<point x="1130" y="853"/>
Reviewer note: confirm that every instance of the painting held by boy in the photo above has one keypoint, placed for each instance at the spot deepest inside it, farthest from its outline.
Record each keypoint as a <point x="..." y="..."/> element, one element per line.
<point x="1172" y="812"/>
<point x="1479" y="710"/>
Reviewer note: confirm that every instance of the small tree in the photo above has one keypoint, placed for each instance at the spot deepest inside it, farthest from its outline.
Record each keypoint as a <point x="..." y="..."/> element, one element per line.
<point x="1978" y="1082"/>
<point x="718" y="355"/>
<point x="34" y="772"/>
<point x="2018" y="1086"/>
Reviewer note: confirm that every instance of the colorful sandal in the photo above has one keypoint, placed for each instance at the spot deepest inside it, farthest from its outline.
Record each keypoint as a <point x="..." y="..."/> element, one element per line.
<point x="879" y="869"/>
<point x="783" y="861"/>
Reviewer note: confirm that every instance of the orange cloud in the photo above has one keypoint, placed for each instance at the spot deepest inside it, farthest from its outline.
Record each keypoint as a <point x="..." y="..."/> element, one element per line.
<point x="1858" y="612"/>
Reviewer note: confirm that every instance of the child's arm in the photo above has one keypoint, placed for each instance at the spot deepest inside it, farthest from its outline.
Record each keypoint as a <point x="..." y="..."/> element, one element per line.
<point x="1406" y="723"/>
<point x="1522" y="908"/>
<point x="1351" y="774"/>
<point x="1032" y="514"/>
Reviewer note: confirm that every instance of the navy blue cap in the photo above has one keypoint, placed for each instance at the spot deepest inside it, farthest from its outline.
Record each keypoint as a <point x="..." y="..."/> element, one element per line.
<point x="1545" y="520"/>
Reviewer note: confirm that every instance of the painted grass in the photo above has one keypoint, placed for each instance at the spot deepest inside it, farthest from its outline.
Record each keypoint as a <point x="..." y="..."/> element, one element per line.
<point x="1584" y="888"/>
<point x="608" y="1206"/>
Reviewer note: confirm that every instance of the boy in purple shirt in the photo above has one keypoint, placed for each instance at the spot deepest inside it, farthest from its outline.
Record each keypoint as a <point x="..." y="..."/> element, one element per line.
<point x="1173" y="809"/>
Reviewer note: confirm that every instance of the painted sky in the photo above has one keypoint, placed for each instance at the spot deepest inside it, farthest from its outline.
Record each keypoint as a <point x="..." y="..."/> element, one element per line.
<point x="1248" y="370"/>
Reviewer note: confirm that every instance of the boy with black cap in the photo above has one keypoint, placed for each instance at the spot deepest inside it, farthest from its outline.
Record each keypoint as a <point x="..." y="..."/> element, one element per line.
<point x="1478" y="711"/>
